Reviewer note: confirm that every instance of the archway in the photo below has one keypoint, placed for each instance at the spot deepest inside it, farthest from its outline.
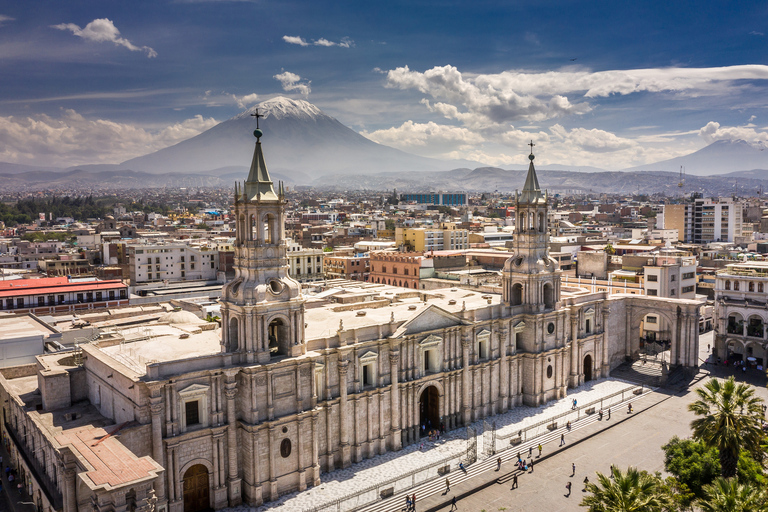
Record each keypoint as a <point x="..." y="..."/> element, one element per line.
<point x="232" y="335"/>
<point x="196" y="490"/>
<point x="517" y="295"/>
<point x="279" y="343"/>
<point x="549" y="296"/>
<point x="587" y="368"/>
<point x="429" y="408"/>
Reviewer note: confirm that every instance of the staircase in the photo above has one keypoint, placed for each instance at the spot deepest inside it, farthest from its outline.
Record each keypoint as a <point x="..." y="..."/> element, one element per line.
<point x="646" y="372"/>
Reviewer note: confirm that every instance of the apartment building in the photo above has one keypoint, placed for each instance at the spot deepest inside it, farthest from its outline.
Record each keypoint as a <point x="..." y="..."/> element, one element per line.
<point x="172" y="262"/>
<point x="49" y="295"/>
<point x="705" y="220"/>
<point x="396" y="268"/>
<point x="306" y="265"/>
<point x="356" y="267"/>
<point x="669" y="275"/>
<point x="443" y="238"/>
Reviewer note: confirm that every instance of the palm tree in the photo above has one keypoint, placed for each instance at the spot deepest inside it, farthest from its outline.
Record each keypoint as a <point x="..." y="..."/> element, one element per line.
<point x="633" y="491"/>
<point x="730" y="421"/>
<point x="728" y="495"/>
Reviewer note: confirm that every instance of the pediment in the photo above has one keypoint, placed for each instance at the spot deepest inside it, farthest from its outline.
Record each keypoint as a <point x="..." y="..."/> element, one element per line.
<point x="590" y="311"/>
<point x="520" y="326"/>
<point x="485" y="333"/>
<point x="194" y="389"/>
<point x="430" y="340"/>
<point x="430" y="319"/>
<point x="368" y="357"/>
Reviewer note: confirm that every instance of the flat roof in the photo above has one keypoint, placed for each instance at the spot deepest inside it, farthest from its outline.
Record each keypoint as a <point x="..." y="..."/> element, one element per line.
<point x="46" y="285"/>
<point x="24" y="325"/>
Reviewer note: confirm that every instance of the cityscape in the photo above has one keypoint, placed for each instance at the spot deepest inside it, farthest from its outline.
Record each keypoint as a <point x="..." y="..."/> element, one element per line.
<point x="364" y="268"/>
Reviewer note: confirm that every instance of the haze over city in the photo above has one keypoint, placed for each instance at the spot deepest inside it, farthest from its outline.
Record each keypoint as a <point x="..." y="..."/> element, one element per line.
<point x="597" y="84"/>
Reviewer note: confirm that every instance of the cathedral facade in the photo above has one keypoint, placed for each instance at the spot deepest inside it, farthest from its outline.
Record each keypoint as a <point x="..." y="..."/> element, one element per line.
<point x="298" y="386"/>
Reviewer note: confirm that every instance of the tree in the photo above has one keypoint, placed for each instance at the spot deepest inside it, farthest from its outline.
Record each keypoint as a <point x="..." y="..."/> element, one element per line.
<point x="730" y="421"/>
<point x="632" y="490"/>
<point x="728" y="495"/>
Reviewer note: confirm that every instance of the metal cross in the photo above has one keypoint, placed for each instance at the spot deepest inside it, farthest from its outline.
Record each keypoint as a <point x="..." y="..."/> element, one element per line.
<point x="531" y="144"/>
<point x="257" y="116"/>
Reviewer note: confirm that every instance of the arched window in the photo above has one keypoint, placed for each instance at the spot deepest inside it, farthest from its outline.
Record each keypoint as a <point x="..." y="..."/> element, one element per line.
<point x="541" y="222"/>
<point x="516" y="297"/>
<point x="279" y="342"/>
<point x="751" y="286"/>
<point x="727" y="285"/>
<point x="232" y="340"/>
<point x="736" y="285"/>
<point x="759" y="287"/>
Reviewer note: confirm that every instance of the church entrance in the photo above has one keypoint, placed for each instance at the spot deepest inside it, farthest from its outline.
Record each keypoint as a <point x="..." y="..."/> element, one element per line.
<point x="587" y="368"/>
<point x="429" y="409"/>
<point x="196" y="493"/>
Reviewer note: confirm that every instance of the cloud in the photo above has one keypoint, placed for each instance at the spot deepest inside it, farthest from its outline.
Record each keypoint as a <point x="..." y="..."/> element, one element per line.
<point x="73" y="139"/>
<point x="4" y="18"/>
<point x="290" y="82"/>
<point x="103" y="30"/>
<point x="244" y="101"/>
<point x="432" y="137"/>
<point x="756" y="33"/>
<point x="509" y="96"/>
<point x="712" y="132"/>
<point x="295" y="40"/>
<point x="592" y="140"/>
<point x="298" y="40"/>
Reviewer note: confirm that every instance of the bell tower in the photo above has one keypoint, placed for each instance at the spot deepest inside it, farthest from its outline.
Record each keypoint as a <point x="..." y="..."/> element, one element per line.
<point x="531" y="277"/>
<point x="262" y="308"/>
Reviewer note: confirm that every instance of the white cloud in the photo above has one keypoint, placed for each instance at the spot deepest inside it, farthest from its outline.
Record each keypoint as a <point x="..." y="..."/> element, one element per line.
<point x="594" y="140"/>
<point x="4" y="18"/>
<point x="103" y="30"/>
<point x="295" y="40"/>
<point x="73" y="139"/>
<point x="291" y="82"/>
<point x="244" y="101"/>
<point x="488" y="99"/>
<point x="712" y="132"/>
<point x="427" y="138"/>
<point x="298" y="40"/>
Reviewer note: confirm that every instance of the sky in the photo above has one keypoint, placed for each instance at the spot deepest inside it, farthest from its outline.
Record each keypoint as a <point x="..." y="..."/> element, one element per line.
<point x="606" y="84"/>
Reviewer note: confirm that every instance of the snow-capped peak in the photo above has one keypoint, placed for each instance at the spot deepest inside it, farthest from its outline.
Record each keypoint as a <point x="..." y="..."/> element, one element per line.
<point x="282" y="107"/>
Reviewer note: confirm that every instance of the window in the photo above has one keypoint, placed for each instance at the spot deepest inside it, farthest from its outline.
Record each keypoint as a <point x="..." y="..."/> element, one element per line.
<point x="61" y="299"/>
<point x="686" y="289"/>
<point x="651" y="319"/>
<point x="653" y="293"/>
<point x="285" y="448"/>
<point x="672" y="293"/>
<point x="98" y="296"/>
<point x="51" y="300"/>
<point x="760" y="287"/>
<point x="430" y="360"/>
<point x="673" y="278"/>
<point x="736" y="285"/>
<point x="9" y="303"/>
<point x="588" y="326"/>
<point x="689" y="275"/>
<point x="367" y="375"/>
<point x="549" y="371"/>
<point x="19" y="303"/>
<point x="41" y="301"/>
<point x="727" y="285"/>
<point x="192" y="410"/>
<point x="751" y="286"/>
<point x="653" y="279"/>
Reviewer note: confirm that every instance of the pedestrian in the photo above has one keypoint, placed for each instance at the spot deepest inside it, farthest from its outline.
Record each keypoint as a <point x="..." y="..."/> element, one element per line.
<point x="19" y="487"/>
<point x="514" y="481"/>
<point x="10" y="478"/>
<point x="586" y="482"/>
<point x="407" y="502"/>
<point x="609" y="413"/>
<point x="707" y="347"/>
<point x="568" y="425"/>
<point x="413" y="502"/>
<point x="498" y="464"/>
<point x="461" y="467"/>
<point x="531" y="466"/>
<point x="530" y="452"/>
<point x="568" y="486"/>
<point x="447" y="485"/>
<point x="629" y="408"/>
<point x="539" y="449"/>
<point x="453" y="503"/>
<point x="573" y="469"/>
<point x="562" y="439"/>
<point x="518" y="456"/>
<point x="573" y="406"/>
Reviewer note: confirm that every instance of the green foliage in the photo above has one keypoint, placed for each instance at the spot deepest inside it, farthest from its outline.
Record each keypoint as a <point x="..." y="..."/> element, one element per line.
<point x="728" y="495"/>
<point x="610" y="250"/>
<point x="390" y="224"/>
<point x="204" y="226"/>
<point x="729" y="421"/>
<point x="632" y="490"/>
<point x="327" y="249"/>
<point x="692" y="462"/>
<point x="41" y="236"/>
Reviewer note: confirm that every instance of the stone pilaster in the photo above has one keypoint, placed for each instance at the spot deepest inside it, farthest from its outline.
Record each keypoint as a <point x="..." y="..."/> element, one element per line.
<point x="343" y="411"/>
<point x="233" y="480"/>
<point x="397" y="441"/>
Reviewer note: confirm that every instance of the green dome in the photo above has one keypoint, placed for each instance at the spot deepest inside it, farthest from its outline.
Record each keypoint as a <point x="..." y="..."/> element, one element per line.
<point x="257" y="133"/>
<point x="531" y="157"/>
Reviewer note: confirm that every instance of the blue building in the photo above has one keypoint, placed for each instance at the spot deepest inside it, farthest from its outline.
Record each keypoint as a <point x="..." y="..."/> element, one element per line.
<point x="436" y="198"/>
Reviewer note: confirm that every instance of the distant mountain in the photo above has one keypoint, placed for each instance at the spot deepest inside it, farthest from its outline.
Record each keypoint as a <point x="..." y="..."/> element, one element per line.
<point x="298" y="136"/>
<point x="720" y="157"/>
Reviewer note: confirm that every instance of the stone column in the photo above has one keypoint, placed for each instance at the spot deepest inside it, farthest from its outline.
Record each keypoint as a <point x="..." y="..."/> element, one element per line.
<point x="156" y="409"/>
<point x="315" y="451"/>
<point x="574" y="374"/>
<point x="343" y="423"/>
<point x="504" y="368"/>
<point x="302" y="471"/>
<point x="233" y="481"/>
<point x="70" y="490"/>
<point x="465" y="406"/>
<point x="394" y="397"/>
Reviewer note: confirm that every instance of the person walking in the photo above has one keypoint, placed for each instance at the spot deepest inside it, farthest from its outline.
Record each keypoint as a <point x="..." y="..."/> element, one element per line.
<point x="539" y="449"/>
<point x="453" y="504"/>
<point x="514" y="481"/>
<point x="498" y="464"/>
<point x="530" y="452"/>
<point x="447" y="485"/>
<point x="531" y="466"/>
<point x="609" y="413"/>
<point x="586" y="481"/>
<point x="573" y="469"/>
<point x="568" y="486"/>
<point x="407" y="502"/>
<point x="562" y="439"/>
<point x="413" y="502"/>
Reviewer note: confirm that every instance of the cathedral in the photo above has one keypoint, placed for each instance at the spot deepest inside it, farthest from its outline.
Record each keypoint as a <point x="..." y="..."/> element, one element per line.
<point x="293" y="386"/>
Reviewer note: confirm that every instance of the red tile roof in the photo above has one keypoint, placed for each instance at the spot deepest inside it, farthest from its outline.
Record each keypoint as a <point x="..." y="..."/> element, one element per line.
<point x="53" y="285"/>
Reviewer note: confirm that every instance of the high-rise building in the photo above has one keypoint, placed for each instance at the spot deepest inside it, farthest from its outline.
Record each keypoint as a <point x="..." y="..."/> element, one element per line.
<point x="705" y="220"/>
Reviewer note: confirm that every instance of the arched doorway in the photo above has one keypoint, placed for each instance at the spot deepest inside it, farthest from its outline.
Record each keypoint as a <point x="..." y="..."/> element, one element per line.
<point x="278" y="338"/>
<point x="196" y="493"/>
<point x="587" y="368"/>
<point x="517" y="295"/>
<point x="429" y="408"/>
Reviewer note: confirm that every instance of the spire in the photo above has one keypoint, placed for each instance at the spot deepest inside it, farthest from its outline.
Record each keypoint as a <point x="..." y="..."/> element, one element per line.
<point x="258" y="186"/>
<point x="531" y="190"/>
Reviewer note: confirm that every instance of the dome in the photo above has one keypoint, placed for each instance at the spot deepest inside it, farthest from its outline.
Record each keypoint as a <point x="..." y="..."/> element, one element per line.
<point x="180" y="317"/>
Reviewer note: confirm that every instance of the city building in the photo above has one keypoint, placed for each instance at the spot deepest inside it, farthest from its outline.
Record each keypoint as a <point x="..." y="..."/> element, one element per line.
<point x="48" y="295"/>
<point x="436" y="198"/>
<point x="740" y="313"/>
<point x="355" y="266"/>
<point x="446" y="238"/>
<point x="396" y="268"/>
<point x="670" y="274"/>
<point x="705" y="220"/>
<point x="305" y="265"/>
<point x="171" y="262"/>
<point x="291" y="387"/>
